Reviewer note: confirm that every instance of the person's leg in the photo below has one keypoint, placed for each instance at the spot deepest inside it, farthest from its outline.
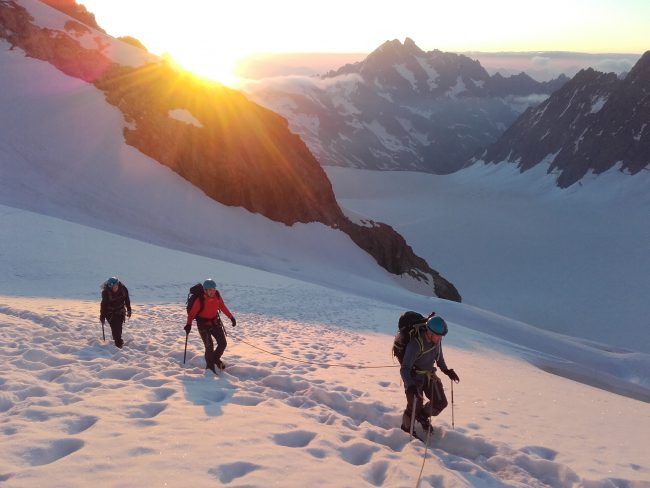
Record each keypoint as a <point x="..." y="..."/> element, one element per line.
<point x="220" y="335"/>
<point x="438" y="401"/>
<point x="116" y="321"/>
<point x="206" y="337"/>
<point x="406" y="417"/>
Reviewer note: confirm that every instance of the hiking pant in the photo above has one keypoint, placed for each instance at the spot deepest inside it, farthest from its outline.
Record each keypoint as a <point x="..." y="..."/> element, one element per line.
<point x="209" y="329"/>
<point x="432" y="389"/>
<point x="116" y="320"/>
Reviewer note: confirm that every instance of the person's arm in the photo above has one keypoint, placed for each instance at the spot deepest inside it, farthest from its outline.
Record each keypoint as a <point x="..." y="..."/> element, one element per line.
<point x="224" y="309"/>
<point x="191" y="315"/>
<point x="102" y="308"/>
<point x="443" y="367"/>
<point x="127" y="301"/>
<point x="441" y="362"/>
<point x="410" y="355"/>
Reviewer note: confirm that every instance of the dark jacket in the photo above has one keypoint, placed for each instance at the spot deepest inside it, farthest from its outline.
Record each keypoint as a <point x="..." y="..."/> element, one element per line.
<point x="115" y="303"/>
<point x="421" y="358"/>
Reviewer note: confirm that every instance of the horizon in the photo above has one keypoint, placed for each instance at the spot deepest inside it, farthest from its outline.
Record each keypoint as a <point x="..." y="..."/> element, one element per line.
<point x="213" y="49"/>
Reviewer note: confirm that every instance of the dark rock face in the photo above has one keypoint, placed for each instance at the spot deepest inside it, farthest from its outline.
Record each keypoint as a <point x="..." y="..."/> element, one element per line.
<point x="76" y="11"/>
<point x="402" y="109"/>
<point x="237" y="152"/>
<point x="393" y="254"/>
<point x="592" y="123"/>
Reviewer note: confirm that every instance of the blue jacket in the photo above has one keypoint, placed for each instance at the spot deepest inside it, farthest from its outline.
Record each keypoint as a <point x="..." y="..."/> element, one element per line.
<point x="423" y="358"/>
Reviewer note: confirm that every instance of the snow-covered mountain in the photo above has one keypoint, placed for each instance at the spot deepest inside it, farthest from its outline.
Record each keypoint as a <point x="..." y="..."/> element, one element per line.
<point x="592" y="124"/>
<point x="237" y="152"/>
<point x="402" y="108"/>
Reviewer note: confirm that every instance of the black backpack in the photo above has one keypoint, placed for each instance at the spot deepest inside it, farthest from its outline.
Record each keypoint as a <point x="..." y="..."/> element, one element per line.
<point x="195" y="292"/>
<point x="409" y="326"/>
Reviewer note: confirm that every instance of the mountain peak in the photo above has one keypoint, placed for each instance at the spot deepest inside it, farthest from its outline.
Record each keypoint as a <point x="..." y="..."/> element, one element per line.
<point x="641" y="70"/>
<point x="409" y="45"/>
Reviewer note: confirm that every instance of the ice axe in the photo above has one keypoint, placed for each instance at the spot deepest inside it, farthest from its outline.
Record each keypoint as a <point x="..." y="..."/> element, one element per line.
<point x="187" y="334"/>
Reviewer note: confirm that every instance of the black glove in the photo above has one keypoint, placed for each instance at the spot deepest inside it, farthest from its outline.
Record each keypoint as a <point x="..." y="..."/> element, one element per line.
<point x="128" y="313"/>
<point x="102" y="319"/>
<point x="233" y="322"/>
<point x="413" y="391"/>
<point x="452" y="375"/>
<point x="188" y="328"/>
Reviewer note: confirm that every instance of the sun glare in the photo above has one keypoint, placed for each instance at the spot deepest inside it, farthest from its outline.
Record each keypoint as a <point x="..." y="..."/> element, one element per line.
<point x="212" y="66"/>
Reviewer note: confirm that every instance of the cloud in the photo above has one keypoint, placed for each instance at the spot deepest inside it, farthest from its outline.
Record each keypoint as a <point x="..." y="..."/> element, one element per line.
<point x="296" y="83"/>
<point x="540" y="62"/>
<point x="614" y="65"/>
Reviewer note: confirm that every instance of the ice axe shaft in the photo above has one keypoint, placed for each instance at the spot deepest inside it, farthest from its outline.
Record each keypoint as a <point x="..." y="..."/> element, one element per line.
<point x="415" y="398"/>
<point x="452" y="405"/>
<point x="187" y="334"/>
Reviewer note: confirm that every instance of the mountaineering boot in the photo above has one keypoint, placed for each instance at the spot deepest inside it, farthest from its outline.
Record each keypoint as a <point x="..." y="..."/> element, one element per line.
<point x="219" y="364"/>
<point x="406" y="422"/>
<point x="211" y="368"/>
<point x="425" y="422"/>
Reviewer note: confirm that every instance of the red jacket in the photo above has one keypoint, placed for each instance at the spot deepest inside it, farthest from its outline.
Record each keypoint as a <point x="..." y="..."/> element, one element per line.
<point x="210" y="308"/>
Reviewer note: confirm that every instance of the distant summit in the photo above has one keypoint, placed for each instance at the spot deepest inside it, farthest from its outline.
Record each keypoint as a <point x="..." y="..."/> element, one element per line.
<point x="402" y="108"/>
<point x="595" y="122"/>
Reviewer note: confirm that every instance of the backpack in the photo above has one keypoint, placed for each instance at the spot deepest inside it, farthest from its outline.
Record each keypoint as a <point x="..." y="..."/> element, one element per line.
<point x="195" y="292"/>
<point x="409" y="326"/>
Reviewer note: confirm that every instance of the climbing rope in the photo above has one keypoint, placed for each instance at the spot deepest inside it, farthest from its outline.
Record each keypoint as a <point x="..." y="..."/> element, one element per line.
<point x="426" y="444"/>
<point x="328" y="365"/>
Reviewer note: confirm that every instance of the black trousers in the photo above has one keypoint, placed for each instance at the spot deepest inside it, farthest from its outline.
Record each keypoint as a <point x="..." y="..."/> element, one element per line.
<point x="433" y="390"/>
<point x="208" y="330"/>
<point x="116" y="321"/>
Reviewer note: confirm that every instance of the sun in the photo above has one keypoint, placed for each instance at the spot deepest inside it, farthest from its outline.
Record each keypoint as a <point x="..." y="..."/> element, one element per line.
<point x="212" y="65"/>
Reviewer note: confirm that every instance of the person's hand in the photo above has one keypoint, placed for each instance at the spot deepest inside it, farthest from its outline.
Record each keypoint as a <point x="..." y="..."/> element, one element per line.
<point x="413" y="391"/>
<point x="452" y="375"/>
<point x="188" y="328"/>
<point x="233" y="322"/>
<point x="128" y="313"/>
<point x="102" y="319"/>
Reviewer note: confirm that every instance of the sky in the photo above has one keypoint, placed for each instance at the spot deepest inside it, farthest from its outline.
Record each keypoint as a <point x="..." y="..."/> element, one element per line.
<point x="78" y="205"/>
<point x="210" y="36"/>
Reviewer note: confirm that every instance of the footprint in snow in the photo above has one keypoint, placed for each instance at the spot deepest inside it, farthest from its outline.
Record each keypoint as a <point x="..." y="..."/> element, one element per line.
<point x="358" y="454"/>
<point x="376" y="474"/>
<point x="539" y="451"/>
<point x="79" y="425"/>
<point x="298" y="438"/>
<point x="162" y="394"/>
<point x="226" y="473"/>
<point x="146" y="411"/>
<point x="52" y="451"/>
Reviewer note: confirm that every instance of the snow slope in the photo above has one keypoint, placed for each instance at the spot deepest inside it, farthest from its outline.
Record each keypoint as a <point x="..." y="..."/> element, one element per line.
<point x="574" y="261"/>
<point x="290" y="409"/>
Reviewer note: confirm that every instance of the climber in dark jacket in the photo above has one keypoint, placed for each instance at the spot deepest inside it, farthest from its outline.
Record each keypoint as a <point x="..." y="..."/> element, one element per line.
<point x="115" y="306"/>
<point x="418" y="373"/>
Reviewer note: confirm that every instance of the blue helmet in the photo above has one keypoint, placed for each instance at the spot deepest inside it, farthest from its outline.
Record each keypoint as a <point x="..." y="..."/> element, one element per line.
<point x="437" y="325"/>
<point x="209" y="283"/>
<point x="112" y="281"/>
